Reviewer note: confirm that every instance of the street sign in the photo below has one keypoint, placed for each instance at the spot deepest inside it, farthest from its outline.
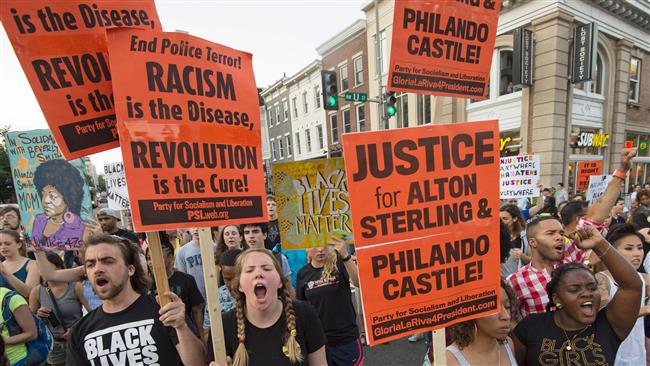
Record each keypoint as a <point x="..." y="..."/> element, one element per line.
<point x="585" y="45"/>
<point x="356" y="97"/>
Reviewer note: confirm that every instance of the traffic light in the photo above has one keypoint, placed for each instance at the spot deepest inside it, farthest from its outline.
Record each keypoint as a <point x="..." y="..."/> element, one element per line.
<point x="330" y="91"/>
<point x="389" y="101"/>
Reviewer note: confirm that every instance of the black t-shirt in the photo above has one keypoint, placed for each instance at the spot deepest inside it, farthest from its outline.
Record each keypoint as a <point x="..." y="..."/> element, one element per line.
<point x="133" y="336"/>
<point x="332" y="301"/>
<point x="264" y="346"/>
<point x="546" y="343"/>
<point x="185" y="287"/>
<point x="272" y="235"/>
<point x="127" y="235"/>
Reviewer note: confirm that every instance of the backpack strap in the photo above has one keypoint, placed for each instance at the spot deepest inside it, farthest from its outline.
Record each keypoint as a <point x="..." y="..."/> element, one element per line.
<point x="7" y="315"/>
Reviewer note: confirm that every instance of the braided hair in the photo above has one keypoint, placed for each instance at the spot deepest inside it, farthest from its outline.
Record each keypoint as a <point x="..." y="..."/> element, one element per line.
<point x="556" y="277"/>
<point x="291" y="346"/>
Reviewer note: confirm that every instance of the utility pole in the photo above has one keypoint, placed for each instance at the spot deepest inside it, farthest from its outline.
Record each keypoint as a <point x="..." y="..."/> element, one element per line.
<point x="380" y="111"/>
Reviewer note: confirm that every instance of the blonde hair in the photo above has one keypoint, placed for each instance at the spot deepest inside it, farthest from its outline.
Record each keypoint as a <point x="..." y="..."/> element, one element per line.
<point x="329" y="268"/>
<point x="291" y="346"/>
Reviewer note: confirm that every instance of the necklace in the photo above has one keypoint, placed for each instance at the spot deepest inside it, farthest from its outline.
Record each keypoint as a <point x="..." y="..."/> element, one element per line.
<point x="569" y="342"/>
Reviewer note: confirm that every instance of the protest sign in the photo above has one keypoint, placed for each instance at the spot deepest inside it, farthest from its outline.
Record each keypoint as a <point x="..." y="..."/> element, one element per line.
<point x="188" y="118"/>
<point x="61" y="46"/>
<point x="53" y="195"/>
<point x="597" y="186"/>
<point x="115" y="181"/>
<point x="426" y="237"/>
<point x="443" y="47"/>
<point x="312" y="199"/>
<point x="519" y="176"/>
<point x="585" y="169"/>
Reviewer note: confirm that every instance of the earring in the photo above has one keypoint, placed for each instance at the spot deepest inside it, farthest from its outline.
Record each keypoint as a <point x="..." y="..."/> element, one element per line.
<point x="475" y="329"/>
<point x="559" y="306"/>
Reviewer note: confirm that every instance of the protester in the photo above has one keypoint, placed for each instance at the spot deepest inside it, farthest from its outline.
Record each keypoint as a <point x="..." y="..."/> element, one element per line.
<point x="519" y="252"/>
<point x="16" y="272"/>
<point x="325" y="284"/>
<point x="255" y="236"/>
<point x="114" y="269"/>
<point x="617" y="214"/>
<point x="573" y="330"/>
<point x="273" y="239"/>
<point x="108" y="219"/>
<point x="59" y="304"/>
<point x="635" y="191"/>
<point x="10" y="218"/>
<point x="483" y="341"/>
<point x="641" y="216"/>
<point x="267" y="327"/>
<point x="545" y="204"/>
<point x="15" y="344"/>
<point x="561" y="194"/>
<point x="227" y="302"/>
<point x="229" y="237"/>
<point x="629" y="243"/>
<point x="182" y="284"/>
<point x="4" y="361"/>
<point x="189" y="261"/>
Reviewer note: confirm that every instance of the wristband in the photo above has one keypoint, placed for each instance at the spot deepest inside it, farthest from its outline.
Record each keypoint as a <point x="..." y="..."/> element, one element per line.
<point x="620" y="175"/>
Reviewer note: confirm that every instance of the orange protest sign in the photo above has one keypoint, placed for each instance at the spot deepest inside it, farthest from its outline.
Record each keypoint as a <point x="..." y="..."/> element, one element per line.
<point x="423" y="230"/>
<point x="188" y="118"/>
<point x="428" y="283"/>
<point x="61" y="46"/>
<point x="421" y="181"/>
<point x="443" y="47"/>
<point x="585" y="169"/>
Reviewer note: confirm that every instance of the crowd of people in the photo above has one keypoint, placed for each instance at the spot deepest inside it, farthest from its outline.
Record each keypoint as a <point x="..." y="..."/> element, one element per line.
<point x="573" y="291"/>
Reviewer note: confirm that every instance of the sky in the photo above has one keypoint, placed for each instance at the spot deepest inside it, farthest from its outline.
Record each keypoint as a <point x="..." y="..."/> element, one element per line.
<point x="281" y="35"/>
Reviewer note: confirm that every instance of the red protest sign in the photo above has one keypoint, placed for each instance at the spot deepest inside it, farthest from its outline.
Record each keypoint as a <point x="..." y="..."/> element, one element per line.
<point x="585" y="169"/>
<point x="443" y="47"/>
<point x="426" y="236"/>
<point x="61" y="47"/>
<point x="188" y="118"/>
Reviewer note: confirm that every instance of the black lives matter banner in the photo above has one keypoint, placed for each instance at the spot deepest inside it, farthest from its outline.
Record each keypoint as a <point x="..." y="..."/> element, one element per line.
<point x="443" y="47"/>
<point x="188" y="118"/>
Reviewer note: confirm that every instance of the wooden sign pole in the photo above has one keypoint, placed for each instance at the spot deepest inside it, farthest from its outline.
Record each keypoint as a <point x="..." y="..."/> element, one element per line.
<point x="211" y="277"/>
<point x="158" y="266"/>
<point x="439" y="347"/>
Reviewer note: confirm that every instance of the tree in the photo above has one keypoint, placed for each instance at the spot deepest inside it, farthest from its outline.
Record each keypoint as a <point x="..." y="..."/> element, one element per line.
<point x="7" y="192"/>
<point x="101" y="184"/>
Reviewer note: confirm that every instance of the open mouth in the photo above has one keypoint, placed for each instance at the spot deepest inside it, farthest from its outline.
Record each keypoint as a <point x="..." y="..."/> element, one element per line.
<point x="559" y="248"/>
<point x="587" y="308"/>
<point x="260" y="291"/>
<point x="101" y="282"/>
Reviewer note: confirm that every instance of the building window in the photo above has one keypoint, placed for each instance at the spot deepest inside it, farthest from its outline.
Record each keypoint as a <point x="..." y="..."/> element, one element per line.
<point x="308" y="140"/>
<point x="304" y="102"/>
<point x="274" y="152"/>
<point x="298" y="148"/>
<point x="317" y="96"/>
<point x="289" y="149"/>
<point x="361" y="117"/>
<point x="423" y="106"/>
<point x="285" y="109"/>
<point x="281" y="149"/>
<point x="269" y="116"/>
<point x="402" y="110"/>
<point x="346" y="121"/>
<point x="295" y="107"/>
<point x="321" y="138"/>
<point x="358" y="71"/>
<point x="594" y="86"/>
<point x="505" y="72"/>
<point x="277" y="114"/>
<point x="635" y="79"/>
<point x="343" y="76"/>
<point x="335" y="128"/>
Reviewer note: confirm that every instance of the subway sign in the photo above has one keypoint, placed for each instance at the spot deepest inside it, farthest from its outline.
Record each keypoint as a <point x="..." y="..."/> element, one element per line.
<point x="590" y="139"/>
